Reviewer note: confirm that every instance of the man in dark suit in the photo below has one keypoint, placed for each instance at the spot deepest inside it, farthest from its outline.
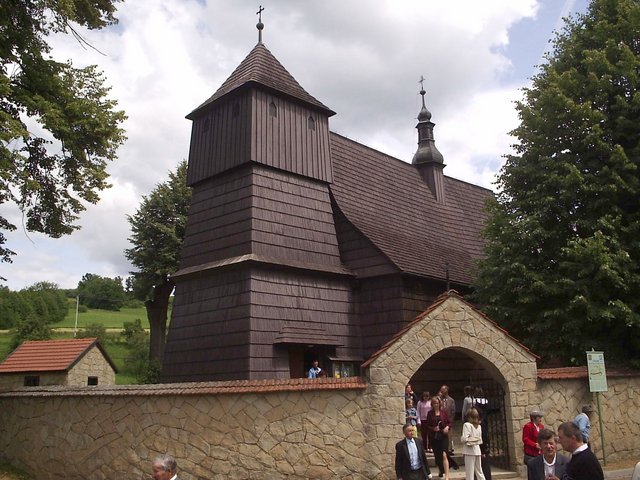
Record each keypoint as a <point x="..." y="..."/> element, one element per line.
<point x="583" y="464"/>
<point x="411" y="461"/>
<point x="550" y="463"/>
<point x="164" y="467"/>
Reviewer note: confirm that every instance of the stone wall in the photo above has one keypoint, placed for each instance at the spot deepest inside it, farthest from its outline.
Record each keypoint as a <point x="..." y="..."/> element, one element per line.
<point x="561" y="400"/>
<point x="311" y="429"/>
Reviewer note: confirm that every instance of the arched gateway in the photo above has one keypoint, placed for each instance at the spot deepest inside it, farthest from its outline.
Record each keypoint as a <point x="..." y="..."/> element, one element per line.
<point x="453" y="342"/>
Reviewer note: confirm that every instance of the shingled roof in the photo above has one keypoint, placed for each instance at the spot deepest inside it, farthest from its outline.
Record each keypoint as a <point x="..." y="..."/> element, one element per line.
<point x="49" y="355"/>
<point x="387" y="200"/>
<point x="261" y="67"/>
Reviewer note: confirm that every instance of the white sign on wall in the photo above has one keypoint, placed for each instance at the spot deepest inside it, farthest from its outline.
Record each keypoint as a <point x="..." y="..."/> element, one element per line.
<point x="597" y="372"/>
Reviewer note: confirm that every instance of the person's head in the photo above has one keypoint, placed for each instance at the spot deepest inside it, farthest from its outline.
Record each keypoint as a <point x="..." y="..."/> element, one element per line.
<point x="408" y="430"/>
<point x="587" y="410"/>
<point x="164" y="467"/>
<point x="435" y="402"/>
<point x="473" y="416"/>
<point x="536" y="417"/>
<point x="444" y="390"/>
<point x="425" y="396"/>
<point x="468" y="390"/>
<point x="409" y="403"/>
<point x="478" y="392"/>
<point x="408" y="388"/>
<point x="547" y="442"/>
<point x="315" y="364"/>
<point x="569" y="436"/>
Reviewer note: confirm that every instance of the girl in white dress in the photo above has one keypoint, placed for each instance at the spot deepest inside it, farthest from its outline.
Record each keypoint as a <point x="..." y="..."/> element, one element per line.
<point x="471" y="440"/>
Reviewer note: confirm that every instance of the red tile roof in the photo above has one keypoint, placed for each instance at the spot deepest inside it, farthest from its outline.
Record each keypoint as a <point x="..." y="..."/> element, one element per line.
<point x="49" y="355"/>
<point x="568" y="373"/>
<point x="387" y="200"/>
<point x="261" y="67"/>
<point x="200" y="388"/>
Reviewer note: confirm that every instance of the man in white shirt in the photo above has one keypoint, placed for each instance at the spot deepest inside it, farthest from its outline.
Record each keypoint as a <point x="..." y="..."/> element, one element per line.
<point x="549" y="464"/>
<point x="164" y="467"/>
<point x="411" y="461"/>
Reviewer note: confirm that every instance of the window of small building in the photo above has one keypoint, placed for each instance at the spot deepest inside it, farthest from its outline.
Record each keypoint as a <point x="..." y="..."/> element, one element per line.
<point x="31" y="380"/>
<point x="341" y="367"/>
<point x="273" y="110"/>
<point x="311" y="123"/>
<point x="92" y="381"/>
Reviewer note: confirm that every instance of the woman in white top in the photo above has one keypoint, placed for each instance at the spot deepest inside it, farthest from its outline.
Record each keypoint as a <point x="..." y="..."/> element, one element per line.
<point x="471" y="440"/>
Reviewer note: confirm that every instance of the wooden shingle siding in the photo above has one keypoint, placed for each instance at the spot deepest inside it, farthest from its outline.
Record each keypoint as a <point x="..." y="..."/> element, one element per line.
<point x="357" y="252"/>
<point x="209" y="334"/>
<point x="285" y="141"/>
<point x="293" y="298"/>
<point x="379" y="311"/>
<point x="220" y="140"/>
<point x="419" y="293"/>
<point x="219" y="221"/>
<point x="292" y="218"/>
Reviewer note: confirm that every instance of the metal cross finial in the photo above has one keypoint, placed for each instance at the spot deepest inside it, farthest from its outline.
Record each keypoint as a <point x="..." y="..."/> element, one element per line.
<point x="260" y="25"/>
<point x="422" y="92"/>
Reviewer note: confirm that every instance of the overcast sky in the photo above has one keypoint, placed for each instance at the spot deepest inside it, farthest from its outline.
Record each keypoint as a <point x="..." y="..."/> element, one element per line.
<point x="360" y="58"/>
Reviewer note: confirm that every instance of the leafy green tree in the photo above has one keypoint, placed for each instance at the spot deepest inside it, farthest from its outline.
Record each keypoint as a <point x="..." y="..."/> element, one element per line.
<point x="157" y="235"/>
<point x="562" y="265"/>
<point x="49" y="302"/>
<point x="30" y="328"/>
<point x="48" y="175"/>
<point x="100" y="292"/>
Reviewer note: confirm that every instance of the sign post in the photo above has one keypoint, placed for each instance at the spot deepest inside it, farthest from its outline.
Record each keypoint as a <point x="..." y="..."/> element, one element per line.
<point x="597" y="384"/>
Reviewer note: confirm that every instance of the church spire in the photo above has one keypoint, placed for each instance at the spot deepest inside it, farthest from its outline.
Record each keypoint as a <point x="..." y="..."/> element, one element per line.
<point x="428" y="158"/>
<point x="260" y="25"/>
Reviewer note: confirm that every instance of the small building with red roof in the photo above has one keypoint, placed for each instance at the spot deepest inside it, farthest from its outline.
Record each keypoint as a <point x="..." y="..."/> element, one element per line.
<point x="71" y="362"/>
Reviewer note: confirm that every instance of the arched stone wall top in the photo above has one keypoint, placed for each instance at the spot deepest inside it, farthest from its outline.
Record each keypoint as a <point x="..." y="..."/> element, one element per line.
<point x="453" y="323"/>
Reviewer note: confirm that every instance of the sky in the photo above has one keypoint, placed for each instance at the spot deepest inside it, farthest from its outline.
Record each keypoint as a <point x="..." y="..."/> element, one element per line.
<point x="362" y="59"/>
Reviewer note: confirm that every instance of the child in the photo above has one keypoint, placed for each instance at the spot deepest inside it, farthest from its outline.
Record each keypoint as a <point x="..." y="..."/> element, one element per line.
<point x="471" y="440"/>
<point x="411" y="413"/>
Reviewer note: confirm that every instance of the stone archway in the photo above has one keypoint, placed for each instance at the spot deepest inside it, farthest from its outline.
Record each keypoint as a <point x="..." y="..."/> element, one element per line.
<point x="452" y="323"/>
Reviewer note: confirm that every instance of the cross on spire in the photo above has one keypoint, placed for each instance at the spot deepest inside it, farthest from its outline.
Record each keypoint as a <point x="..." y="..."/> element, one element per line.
<point x="260" y="25"/>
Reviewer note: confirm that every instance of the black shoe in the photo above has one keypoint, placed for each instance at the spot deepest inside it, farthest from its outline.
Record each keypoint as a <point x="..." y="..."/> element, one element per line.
<point x="456" y="467"/>
<point x="441" y="474"/>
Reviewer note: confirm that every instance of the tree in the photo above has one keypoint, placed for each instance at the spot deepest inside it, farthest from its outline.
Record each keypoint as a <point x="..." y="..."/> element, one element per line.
<point x="48" y="175"/>
<point x="157" y="234"/>
<point x="562" y="264"/>
<point x="101" y="292"/>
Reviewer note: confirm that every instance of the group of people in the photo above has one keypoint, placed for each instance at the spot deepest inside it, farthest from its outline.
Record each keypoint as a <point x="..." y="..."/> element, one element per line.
<point x="434" y="417"/>
<point x="540" y="449"/>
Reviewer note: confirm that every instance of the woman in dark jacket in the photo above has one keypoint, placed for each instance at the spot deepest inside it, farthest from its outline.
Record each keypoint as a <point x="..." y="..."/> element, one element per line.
<point x="438" y="426"/>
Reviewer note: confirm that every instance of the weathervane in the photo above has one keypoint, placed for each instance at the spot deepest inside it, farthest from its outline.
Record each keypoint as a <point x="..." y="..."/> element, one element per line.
<point x="260" y="25"/>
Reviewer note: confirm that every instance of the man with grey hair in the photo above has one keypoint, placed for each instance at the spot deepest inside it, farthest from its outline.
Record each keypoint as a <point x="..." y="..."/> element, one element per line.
<point x="164" y="467"/>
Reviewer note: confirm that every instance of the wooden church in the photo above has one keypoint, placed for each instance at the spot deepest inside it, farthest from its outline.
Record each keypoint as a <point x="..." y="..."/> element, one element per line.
<point x="302" y="244"/>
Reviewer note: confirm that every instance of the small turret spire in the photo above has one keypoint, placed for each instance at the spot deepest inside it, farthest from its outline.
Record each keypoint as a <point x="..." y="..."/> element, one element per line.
<point x="260" y="25"/>
<point x="427" y="151"/>
<point x="427" y="158"/>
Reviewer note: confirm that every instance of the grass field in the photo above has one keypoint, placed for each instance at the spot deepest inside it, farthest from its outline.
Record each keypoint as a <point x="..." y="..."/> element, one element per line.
<point x="106" y="318"/>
